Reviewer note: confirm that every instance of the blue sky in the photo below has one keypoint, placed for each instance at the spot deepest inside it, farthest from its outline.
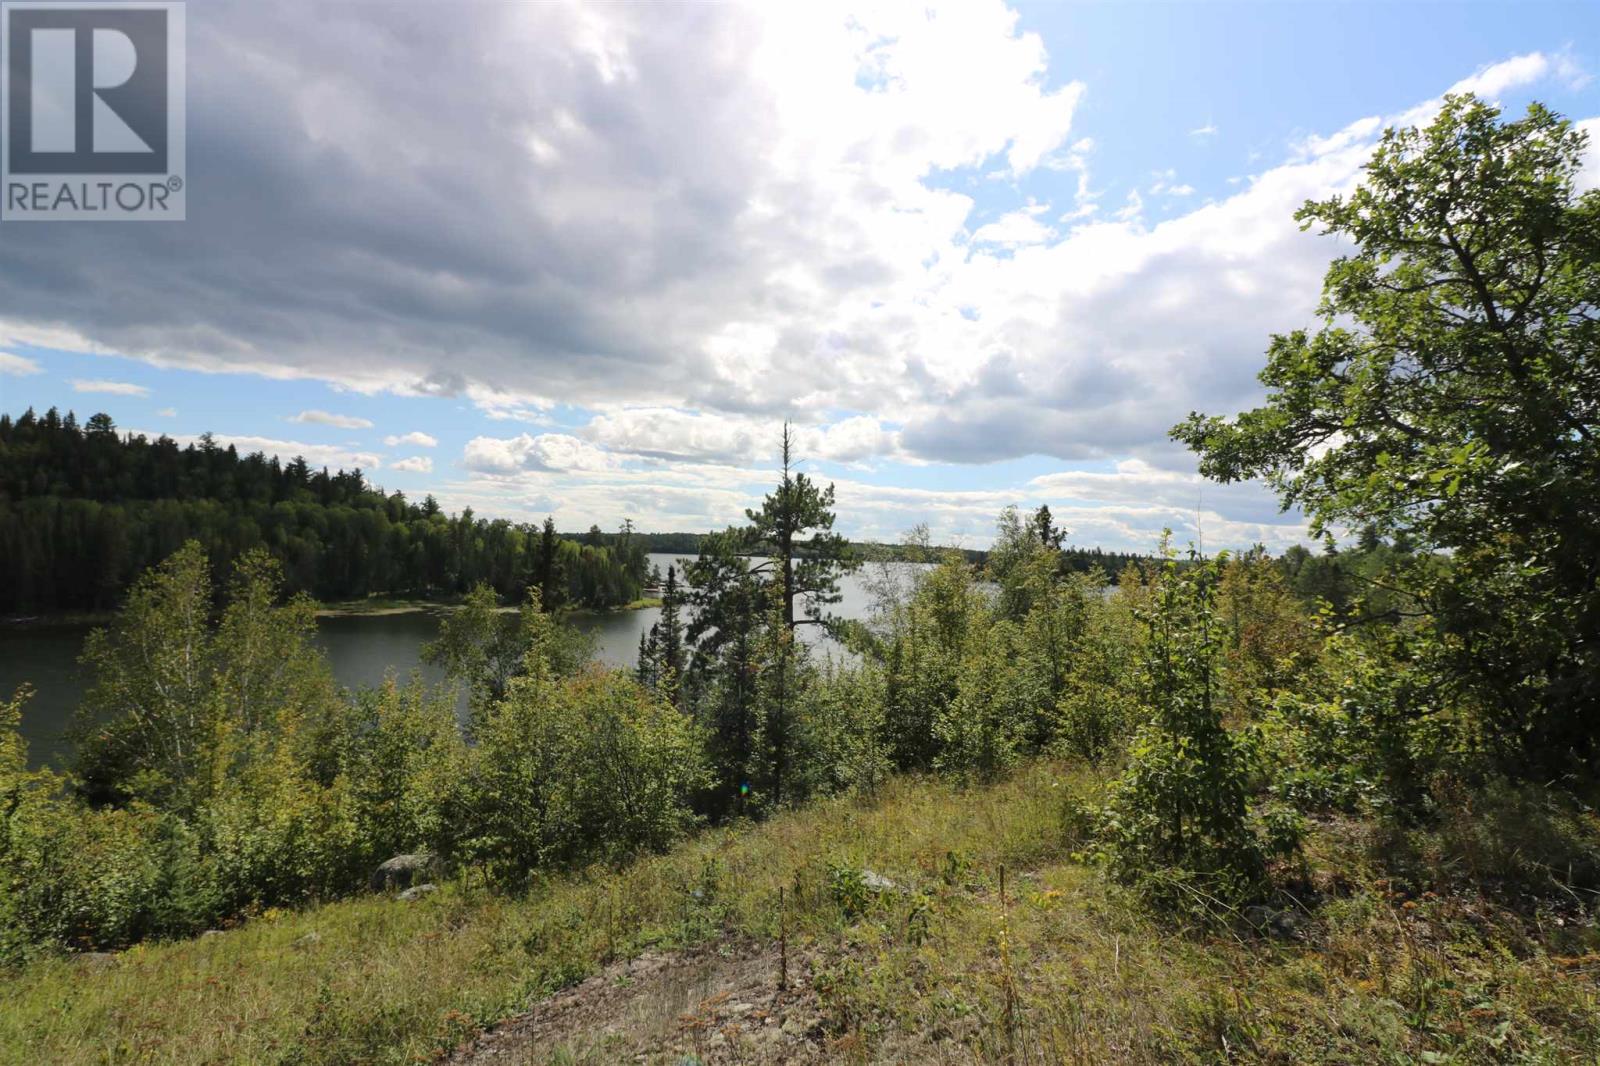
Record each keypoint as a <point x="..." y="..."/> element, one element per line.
<point x="588" y="259"/>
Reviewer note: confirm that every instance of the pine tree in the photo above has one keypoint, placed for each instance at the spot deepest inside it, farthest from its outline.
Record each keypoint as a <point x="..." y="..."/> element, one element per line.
<point x="746" y="620"/>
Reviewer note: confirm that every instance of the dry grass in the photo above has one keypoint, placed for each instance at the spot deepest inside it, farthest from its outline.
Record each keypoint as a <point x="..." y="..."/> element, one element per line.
<point x="942" y="969"/>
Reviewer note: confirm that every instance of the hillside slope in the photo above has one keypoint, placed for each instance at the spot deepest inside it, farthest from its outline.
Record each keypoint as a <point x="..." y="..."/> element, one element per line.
<point x="680" y="955"/>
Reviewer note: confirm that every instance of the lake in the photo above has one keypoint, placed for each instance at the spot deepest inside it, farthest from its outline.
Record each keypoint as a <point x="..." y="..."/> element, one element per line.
<point x="361" y="651"/>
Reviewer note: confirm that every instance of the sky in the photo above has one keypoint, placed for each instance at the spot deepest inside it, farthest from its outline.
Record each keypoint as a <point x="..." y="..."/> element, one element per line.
<point x="585" y="260"/>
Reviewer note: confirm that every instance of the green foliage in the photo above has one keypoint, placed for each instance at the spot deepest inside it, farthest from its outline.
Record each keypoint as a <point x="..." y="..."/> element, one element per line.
<point x="484" y="647"/>
<point x="230" y="775"/>
<point x="1363" y="725"/>
<point x="1449" y="398"/>
<point x="664" y="650"/>
<point x="401" y="769"/>
<point x="842" y="741"/>
<point x="921" y="642"/>
<point x="573" y="770"/>
<point x="983" y="732"/>
<point x="751" y="590"/>
<point x="83" y="512"/>
<point x="1178" y="823"/>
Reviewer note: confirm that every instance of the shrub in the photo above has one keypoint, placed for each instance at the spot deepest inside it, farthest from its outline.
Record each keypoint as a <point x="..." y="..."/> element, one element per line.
<point x="1178" y="823"/>
<point x="571" y="770"/>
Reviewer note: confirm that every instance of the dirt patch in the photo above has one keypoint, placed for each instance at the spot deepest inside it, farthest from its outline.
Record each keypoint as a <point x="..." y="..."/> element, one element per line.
<point x="719" y="1004"/>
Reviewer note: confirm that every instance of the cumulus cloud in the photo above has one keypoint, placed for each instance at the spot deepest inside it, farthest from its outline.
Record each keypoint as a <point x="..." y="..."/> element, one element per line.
<point x="325" y="418"/>
<point x="692" y="206"/>
<point x="550" y="452"/>
<point x="114" y="388"/>
<point x="1497" y="78"/>
<point x="696" y="221"/>
<point x="17" y="365"/>
<point x="415" y="437"/>
<point x="416" y="464"/>
<point x="1014" y="229"/>
<point x="698" y="436"/>
<point x="668" y="433"/>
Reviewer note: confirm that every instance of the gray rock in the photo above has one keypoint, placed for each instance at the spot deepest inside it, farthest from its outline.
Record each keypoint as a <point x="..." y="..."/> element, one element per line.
<point x="311" y="939"/>
<point x="417" y="892"/>
<point x="876" y="882"/>
<point x="403" y="871"/>
<point x="1285" y="925"/>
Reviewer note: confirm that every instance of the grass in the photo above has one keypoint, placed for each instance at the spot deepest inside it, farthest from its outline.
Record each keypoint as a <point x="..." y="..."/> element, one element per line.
<point x="1062" y="968"/>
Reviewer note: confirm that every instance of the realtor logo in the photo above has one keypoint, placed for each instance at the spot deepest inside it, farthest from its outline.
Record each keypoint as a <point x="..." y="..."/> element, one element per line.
<point x="92" y="97"/>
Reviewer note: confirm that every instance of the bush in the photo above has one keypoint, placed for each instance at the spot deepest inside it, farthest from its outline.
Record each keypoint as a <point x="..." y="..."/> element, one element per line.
<point x="1178" y="823"/>
<point x="572" y="770"/>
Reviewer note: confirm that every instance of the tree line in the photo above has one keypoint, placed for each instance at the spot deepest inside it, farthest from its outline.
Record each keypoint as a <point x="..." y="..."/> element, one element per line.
<point x="85" y="509"/>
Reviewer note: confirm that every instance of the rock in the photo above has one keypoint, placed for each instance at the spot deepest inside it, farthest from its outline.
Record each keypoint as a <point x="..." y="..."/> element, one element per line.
<point x="1285" y="925"/>
<point x="97" y="960"/>
<point x="403" y="871"/>
<point x="210" y="932"/>
<point x="876" y="882"/>
<point x="417" y="892"/>
<point x="310" y="939"/>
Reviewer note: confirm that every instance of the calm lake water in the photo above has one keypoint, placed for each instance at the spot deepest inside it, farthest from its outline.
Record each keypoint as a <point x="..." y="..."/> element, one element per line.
<point x="361" y="651"/>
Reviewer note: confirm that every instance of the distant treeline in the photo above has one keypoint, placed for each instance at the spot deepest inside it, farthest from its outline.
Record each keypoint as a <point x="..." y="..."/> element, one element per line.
<point x="1074" y="560"/>
<point x="84" y="510"/>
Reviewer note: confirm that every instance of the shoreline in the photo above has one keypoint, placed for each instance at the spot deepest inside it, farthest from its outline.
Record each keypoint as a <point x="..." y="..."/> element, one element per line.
<point x="376" y="607"/>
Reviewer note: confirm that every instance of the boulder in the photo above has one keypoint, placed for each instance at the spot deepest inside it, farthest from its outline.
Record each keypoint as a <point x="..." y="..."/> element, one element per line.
<point x="403" y="871"/>
<point x="416" y="892"/>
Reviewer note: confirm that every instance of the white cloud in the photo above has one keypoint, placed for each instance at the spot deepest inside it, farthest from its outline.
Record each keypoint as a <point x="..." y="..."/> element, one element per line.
<point x="1014" y="229"/>
<point x="168" y="412"/>
<point x="317" y="455"/>
<point x="615" y="200"/>
<point x="1166" y="184"/>
<point x="325" y="418"/>
<point x="17" y="365"/>
<point x="545" y="452"/>
<point x="114" y="388"/>
<point x="1208" y="130"/>
<point x="1497" y="78"/>
<point x="695" y="221"/>
<point x="415" y="437"/>
<point x="855" y="440"/>
<point x="668" y="433"/>
<point x="1589" y="176"/>
<point x="416" y="464"/>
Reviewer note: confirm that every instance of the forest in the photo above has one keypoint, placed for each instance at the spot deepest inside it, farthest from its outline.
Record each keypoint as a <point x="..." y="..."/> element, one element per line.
<point x="1385" y="753"/>
<point x="84" y="510"/>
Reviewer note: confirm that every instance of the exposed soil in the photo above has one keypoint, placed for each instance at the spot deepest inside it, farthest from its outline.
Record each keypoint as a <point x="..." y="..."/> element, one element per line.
<point x="719" y="1004"/>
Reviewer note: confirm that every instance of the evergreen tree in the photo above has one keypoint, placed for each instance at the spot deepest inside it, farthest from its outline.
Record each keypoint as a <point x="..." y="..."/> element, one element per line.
<point x="745" y="623"/>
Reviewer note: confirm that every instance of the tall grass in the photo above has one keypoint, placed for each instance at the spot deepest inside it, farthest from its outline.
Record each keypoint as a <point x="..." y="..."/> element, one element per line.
<point x="942" y="969"/>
